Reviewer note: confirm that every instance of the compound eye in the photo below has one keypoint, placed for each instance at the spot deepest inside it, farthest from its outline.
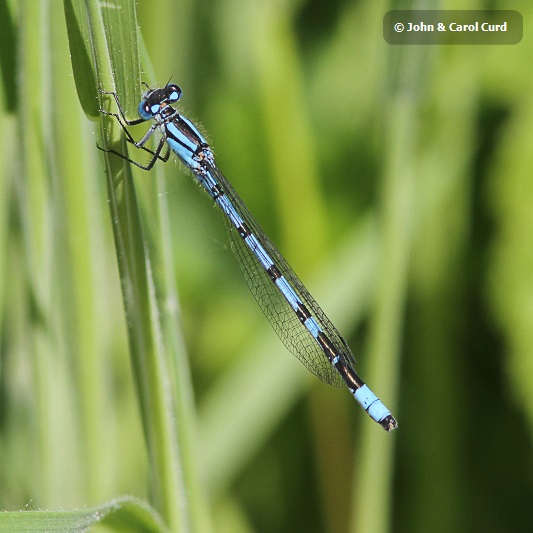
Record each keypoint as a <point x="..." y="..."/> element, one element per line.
<point x="173" y="93"/>
<point x="145" y="110"/>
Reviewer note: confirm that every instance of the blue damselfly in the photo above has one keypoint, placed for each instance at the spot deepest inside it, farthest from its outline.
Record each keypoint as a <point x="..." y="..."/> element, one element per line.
<point x="293" y="313"/>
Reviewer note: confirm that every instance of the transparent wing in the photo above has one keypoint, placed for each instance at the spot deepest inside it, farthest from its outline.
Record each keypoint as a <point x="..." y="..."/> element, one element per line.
<point x="281" y="316"/>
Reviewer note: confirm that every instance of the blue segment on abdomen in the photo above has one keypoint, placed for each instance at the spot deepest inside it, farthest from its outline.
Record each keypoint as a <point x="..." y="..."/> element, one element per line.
<point x="371" y="403"/>
<point x="259" y="251"/>
<point x="288" y="292"/>
<point x="229" y="210"/>
<point x="312" y="327"/>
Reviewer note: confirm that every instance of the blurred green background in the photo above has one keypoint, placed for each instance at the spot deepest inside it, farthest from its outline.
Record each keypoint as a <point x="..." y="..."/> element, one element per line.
<point x="397" y="181"/>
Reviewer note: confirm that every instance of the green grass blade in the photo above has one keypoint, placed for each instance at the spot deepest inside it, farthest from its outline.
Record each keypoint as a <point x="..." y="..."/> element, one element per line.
<point x="372" y="509"/>
<point x="156" y="208"/>
<point x="122" y="514"/>
<point x="82" y="56"/>
<point x="8" y="58"/>
<point x="113" y="31"/>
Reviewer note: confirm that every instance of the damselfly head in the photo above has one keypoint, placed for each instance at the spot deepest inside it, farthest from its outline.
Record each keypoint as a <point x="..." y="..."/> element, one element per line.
<point x="154" y="99"/>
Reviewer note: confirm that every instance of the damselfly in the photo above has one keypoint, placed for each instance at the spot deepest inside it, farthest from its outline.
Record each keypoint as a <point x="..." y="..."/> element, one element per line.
<point x="293" y="313"/>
